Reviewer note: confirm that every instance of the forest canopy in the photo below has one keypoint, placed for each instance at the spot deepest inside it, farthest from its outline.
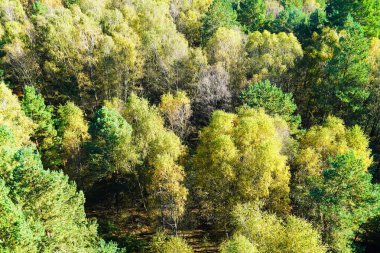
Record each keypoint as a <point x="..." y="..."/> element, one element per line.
<point x="232" y="126"/>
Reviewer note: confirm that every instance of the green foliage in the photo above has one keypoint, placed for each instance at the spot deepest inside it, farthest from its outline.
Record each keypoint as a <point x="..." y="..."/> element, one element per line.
<point x="347" y="75"/>
<point x="316" y="146"/>
<point x="253" y="14"/>
<point x="13" y="117"/>
<point x="68" y="3"/>
<point x="189" y="18"/>
<point x="111" y="149"/>
<point x="16" y="233"/>
<point x="219" y="14"/>
<point x="189" y="58"/>
<point x="292" y="18"/>
<point x="331" y="183"/>
<point x="273" y="100"/>
<point x="160" y="152"/>
<point x="45" y="134"/>
<point x="346" y="198"/>
<point x="164" y="48"/>
<point x="365" y="12"/>
<point x="41" y="211"/>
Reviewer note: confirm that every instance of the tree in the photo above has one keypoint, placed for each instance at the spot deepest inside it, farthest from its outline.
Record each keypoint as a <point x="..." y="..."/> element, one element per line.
<point x="111" y="149"/>
<point x="273" y="234"/>
<point x="239" y="159"/>
<point x="68" y="40"/>
<point x="238" y="244"/>
<point x="212" y="93"/>
<point x="226" y="47"/>
<point x="346" y="198"/>
<point x="307" y="78"/>
<point x="72" y="129"/>
<point x="169" y="244"/>
<point x="273" y="100"/>
<point x="177" y="112"/>
<point x="45" y="134"/>
<point x="327" y="153"/>
<point x="253" y="14"/>
<point x="17" y="37"/>
<point x="164" y="47"/>
<point x="371" y="117"/>
<point x="121" y="62"/>
<point x="16" y="234"/>
<point x="345" y="88"/>
<point x="219" y="14"/>
<point x="366" y="13"/>
<point x="160" y="175"/>
<point x="188" y="16"/>
<point x="41" y="210"/>
<point x="270" y="55"/>
<point x="13" y="117"/>
<point x="319" y="143"/>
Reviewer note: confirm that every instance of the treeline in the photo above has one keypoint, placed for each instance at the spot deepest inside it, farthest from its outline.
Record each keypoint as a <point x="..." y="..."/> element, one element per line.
<point x="257" y="118"/>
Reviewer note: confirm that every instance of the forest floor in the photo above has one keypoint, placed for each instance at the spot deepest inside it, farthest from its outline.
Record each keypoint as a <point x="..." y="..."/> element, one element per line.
<point x="131" y="228"/>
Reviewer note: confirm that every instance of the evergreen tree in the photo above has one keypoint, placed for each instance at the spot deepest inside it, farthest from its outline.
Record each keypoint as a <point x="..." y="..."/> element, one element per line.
<point x="252" y="14"/>
<point x="346" y="199"/>
<point x="345" y="89"/>
<point x="219" y="14"/>
<point x="111" y="149"/>
<point x="273" y="100"/>
<point x="45" y="134"/>
<point x="41" y="211"/>
<point x="365" y="12"/>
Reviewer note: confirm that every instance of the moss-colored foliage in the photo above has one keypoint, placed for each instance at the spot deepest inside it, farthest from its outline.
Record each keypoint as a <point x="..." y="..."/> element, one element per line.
<point x="177" y="112"/>
<point x="226" y="47"/>
<point x="169" y="244"/>
<point x="72" y="128"/>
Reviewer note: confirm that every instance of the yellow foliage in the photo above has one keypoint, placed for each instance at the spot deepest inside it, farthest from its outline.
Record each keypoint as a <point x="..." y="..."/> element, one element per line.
<point x="240" y="159"/>
<point x="331" y="139"/>
<point x="271" y="54"/>
<point x="13" y="117"/>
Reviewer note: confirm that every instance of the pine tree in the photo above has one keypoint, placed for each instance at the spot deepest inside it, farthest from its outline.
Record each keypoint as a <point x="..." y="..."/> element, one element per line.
<point x="45" y="134"/>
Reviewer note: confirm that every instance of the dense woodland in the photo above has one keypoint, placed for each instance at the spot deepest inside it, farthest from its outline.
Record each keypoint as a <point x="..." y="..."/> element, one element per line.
<point x="179" y="126"/>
